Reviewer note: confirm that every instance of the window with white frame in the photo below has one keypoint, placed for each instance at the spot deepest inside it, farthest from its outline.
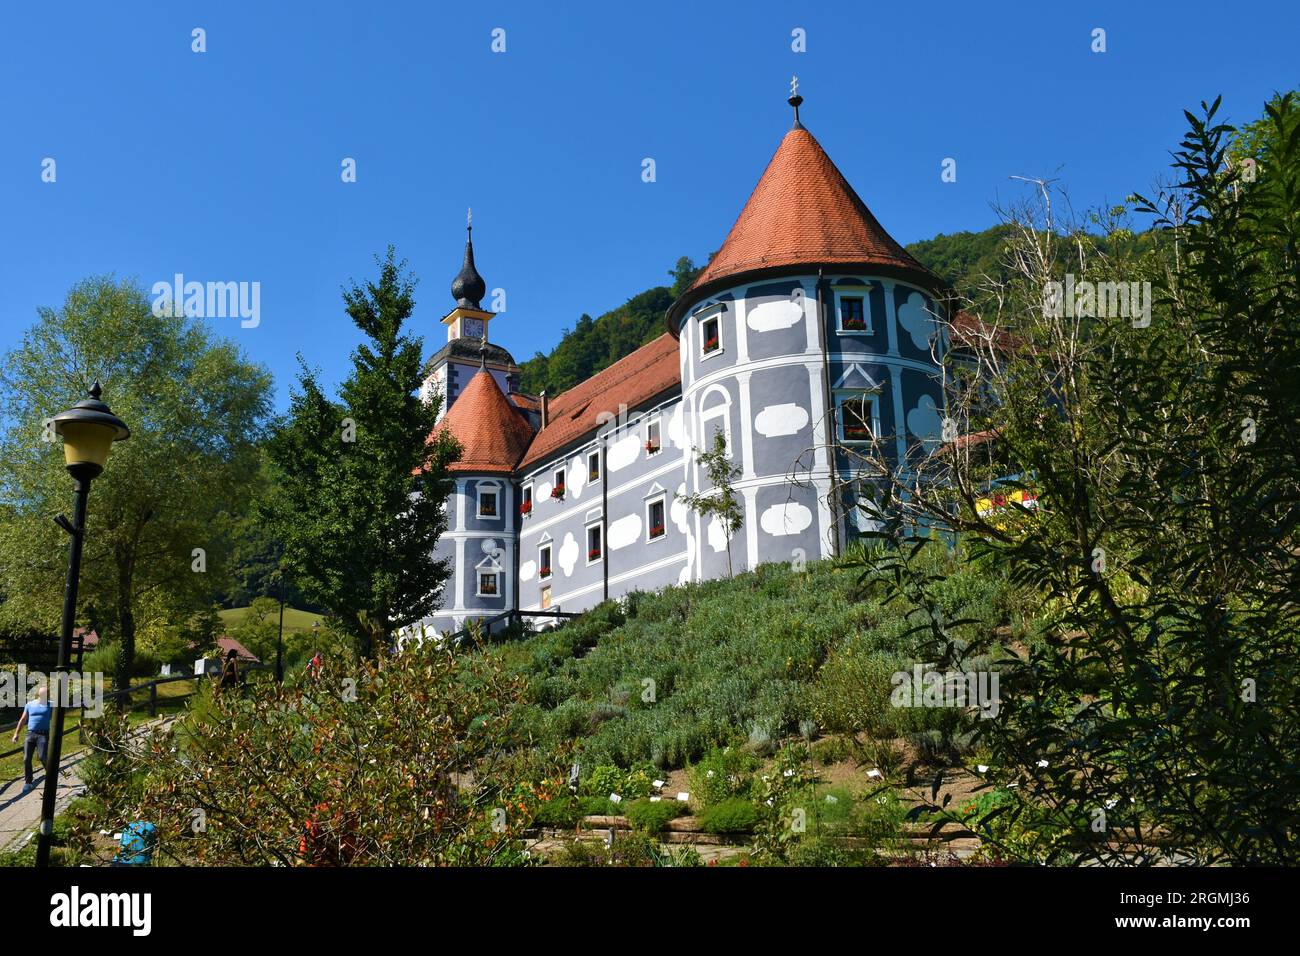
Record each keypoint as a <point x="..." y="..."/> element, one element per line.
<point x="489" y="501"/>
<point x="557" y="486"/>
<point x="656" y="514"/>
<point x="593" y="465"/>
<point x="652" y="439"/>
<point x="526" y="503"/>
<point x="489" y="583"/>
<point x="544" y="561"/>
<point x="595" y="543"/>
<point x="857" y="416"/>
<point x="854" y="311"/>
<point x="710" y="335"/>
<point x="546" y="598"/>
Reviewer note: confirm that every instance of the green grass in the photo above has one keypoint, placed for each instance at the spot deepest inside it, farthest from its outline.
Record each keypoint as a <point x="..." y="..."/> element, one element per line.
<point x="295" y="621"/>
<point x="671" y="675"/>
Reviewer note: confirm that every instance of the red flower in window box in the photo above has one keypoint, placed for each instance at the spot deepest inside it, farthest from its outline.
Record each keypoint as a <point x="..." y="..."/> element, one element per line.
<point x="526" y="508"/>
<point x="656" y="531"/>
<point x="545" y="571"/>
<point x="558" y="492"/>
<point x="711" y="345"/>
<point x="651" y="447"/>
<point x="857" y="433"/>
<point x="855" y="324"/>
<point x="593" y="554"/>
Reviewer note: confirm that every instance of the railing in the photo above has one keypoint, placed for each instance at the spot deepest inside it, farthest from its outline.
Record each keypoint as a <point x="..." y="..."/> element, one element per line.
<point x="151" y="686"/>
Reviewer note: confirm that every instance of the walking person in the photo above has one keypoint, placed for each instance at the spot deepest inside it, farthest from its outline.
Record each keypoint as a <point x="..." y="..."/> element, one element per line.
<point x="230" y="672"/>
<point x="36" y="715"/>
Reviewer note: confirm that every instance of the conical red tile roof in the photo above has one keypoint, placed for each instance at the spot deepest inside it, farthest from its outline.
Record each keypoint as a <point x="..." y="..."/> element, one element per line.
<point x="493" y="435"/>
<point x="802" y="212"/>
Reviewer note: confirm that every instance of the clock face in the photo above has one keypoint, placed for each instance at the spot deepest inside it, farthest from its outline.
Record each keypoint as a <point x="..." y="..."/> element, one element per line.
<point x="473" y="329"/>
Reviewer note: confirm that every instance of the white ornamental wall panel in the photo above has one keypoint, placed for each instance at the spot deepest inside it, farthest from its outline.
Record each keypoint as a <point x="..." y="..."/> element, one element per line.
<point x="775" y="421"/>
<point x="785" y="519"/>
<point x="775" y="315"/>
<point x="568" y="555"/>
<point x="624" y="531"/>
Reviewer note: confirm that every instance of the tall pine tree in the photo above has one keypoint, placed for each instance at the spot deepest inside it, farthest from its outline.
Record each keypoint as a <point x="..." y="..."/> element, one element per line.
<point x="360" y="482"/>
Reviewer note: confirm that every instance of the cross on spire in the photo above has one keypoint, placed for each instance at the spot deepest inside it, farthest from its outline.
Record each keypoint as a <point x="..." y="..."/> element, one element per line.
<point x="794" y="100"/>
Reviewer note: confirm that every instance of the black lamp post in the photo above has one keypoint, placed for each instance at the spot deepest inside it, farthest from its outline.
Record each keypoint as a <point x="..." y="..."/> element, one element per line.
<point x="279" y="638"/>
<point x="88" y="430"/>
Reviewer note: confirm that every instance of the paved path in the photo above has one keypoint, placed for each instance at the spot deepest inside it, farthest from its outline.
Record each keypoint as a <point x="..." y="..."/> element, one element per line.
<point x="21" y="815"/>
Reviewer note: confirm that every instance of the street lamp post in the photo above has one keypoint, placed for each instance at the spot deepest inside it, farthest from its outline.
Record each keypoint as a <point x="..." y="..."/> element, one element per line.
<point x="279" y="639"/>
<point x="88" y="430"/>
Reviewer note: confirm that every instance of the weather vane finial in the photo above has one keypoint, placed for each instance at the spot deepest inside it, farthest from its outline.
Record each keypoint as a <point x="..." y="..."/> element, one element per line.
<point x="794" y="100"/>
<point x="794" y="86"/>
<point x="469" y="217"/>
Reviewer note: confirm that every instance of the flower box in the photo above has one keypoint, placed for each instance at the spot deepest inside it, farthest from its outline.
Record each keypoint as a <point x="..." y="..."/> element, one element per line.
<point x="526" y="508"/>
<point x="593" y="554"/>
<point x="657" y="531"/>
<point x="651" y="447"/>
<point x="711" y="345"/>
<point x="857" y="434"/>
<point x="855" y="325"/>
<point x="558" y="492"/>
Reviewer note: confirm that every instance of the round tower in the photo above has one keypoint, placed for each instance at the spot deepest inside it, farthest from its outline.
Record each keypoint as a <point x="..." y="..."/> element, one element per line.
<point x="811" y="336"/>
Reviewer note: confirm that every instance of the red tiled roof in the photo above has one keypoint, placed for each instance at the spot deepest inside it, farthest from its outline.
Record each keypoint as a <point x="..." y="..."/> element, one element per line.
<point x="228" y="644"/>
<point x="652" y="369"/>
<point x="804" y="212"/>
<point x="970" y="331"/>
<point x="531" y="403"/>
<point x="492" y="433"/>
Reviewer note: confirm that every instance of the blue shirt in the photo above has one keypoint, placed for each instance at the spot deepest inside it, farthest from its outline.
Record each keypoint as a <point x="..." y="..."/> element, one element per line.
<point x="38" y="716"/>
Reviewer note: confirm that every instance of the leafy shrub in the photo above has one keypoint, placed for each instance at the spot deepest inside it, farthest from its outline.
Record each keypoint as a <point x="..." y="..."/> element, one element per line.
<point x="725" y="773"/>
<point x="562" y="813"/>
<point x="729" y="816"/>
<point x="652" y="816"/>
<point x="628" y="784"/>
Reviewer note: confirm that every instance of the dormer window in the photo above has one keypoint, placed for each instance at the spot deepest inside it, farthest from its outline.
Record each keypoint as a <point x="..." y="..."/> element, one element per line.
<point x="652" y="440"/>
<point x="593" y="466"/>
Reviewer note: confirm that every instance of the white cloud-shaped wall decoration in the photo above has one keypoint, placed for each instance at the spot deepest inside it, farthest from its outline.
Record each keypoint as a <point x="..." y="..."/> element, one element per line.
<point x="776" y="420"/>
<point x="775" y="314"/>
<point x="577" y="479"/>
<point x="924" y="421"/>
<point x="527" y="570"/>
<point x="542" y="492"/>
<point x="679" y="512"/>
<point x="918" y="323"/>
<point x="568" y="555"/>
<point x="624" y="531"/>
<point x="623" y="452"/>
<point x="788" y="518"/>
<point x="675" y="433"/>
<point x="717" y="535"/>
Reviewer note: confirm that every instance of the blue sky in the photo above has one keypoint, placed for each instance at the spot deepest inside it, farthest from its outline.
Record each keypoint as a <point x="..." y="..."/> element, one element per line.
<point x="225" y="165"/>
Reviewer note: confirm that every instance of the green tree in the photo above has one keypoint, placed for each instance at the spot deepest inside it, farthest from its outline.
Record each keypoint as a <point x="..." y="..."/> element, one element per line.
<point x="360" y="483"/>
<point x="161" y="515"/>
<point x="720" y="501"/>
<point x="1162" y="551"/>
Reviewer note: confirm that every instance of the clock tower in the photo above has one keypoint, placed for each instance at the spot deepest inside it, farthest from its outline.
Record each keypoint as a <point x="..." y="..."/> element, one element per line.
<point x="468" y="350"/>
